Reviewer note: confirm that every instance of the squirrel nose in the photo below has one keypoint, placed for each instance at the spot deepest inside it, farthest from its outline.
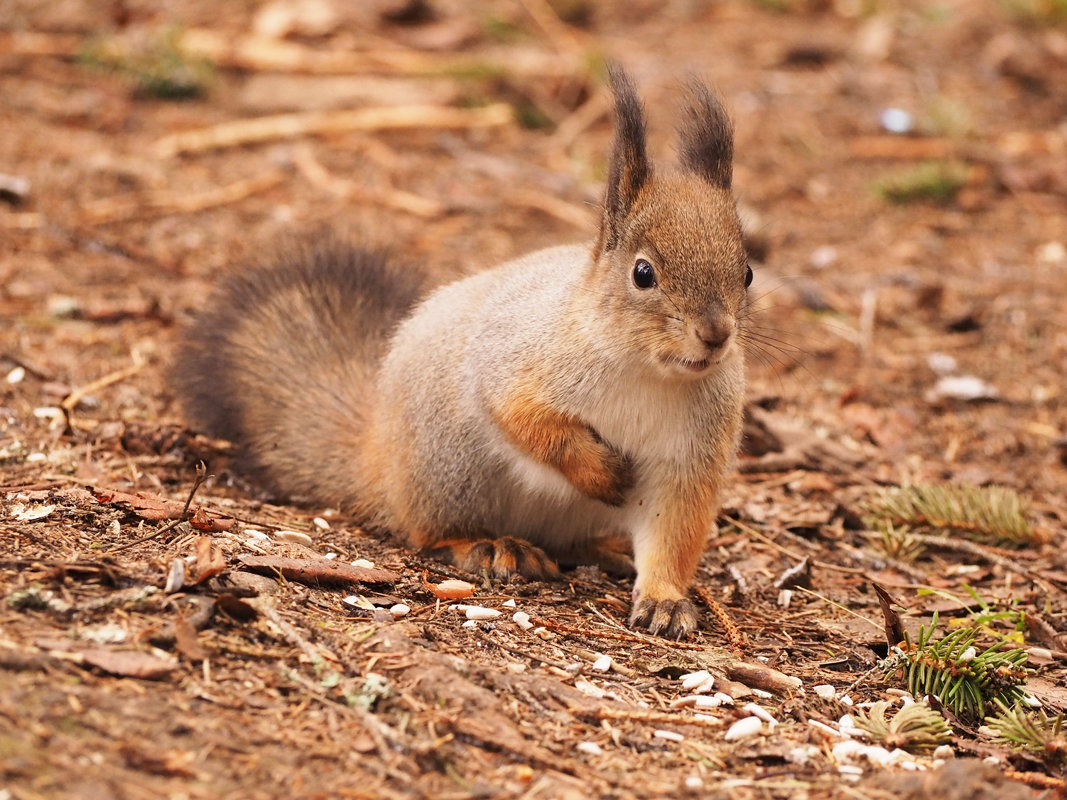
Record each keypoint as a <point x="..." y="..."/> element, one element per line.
<point x="714" y="331"/>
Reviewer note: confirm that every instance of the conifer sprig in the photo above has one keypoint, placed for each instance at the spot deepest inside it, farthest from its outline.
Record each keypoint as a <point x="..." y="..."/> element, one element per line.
<point x="953" y="670"/>
<point x="992" y="514"/>
<point x="1030" y="730"/>
<point x="914" y="727"/>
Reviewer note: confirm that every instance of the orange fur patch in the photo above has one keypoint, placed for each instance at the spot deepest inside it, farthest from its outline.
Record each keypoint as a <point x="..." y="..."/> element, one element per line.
<point x="565" y="443"/>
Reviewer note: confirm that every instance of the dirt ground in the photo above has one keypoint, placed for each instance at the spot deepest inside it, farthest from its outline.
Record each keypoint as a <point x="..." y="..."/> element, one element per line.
<point x="901" y="339"/>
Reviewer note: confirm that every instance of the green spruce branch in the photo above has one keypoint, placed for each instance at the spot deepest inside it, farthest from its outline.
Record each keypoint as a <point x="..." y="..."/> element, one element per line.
<point x="1033" y="731"/>
<point x="963" y="678"/>
<point x="914" y="727"/>
<point x="991" y="514"/>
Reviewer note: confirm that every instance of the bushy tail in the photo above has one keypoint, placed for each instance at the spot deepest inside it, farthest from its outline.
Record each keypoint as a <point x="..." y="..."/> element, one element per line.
<point x="282" y="361"/>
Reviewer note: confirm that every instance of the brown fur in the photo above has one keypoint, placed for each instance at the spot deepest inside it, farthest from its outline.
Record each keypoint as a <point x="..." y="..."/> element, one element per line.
<point x="563" y="442"/>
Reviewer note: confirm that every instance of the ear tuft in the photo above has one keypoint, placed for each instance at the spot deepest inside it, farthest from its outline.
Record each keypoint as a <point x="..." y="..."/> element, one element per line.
<point x="629" y="169"/>
<point x="706" y="137"/>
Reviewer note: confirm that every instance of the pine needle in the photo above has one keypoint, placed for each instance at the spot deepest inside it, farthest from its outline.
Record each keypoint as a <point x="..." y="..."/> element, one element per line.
<point x="990" y="514"/>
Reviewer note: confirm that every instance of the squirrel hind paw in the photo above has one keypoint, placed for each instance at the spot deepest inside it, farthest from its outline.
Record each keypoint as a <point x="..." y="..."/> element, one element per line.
<point x="501" y="558"/>
<point x="672" y="619"/>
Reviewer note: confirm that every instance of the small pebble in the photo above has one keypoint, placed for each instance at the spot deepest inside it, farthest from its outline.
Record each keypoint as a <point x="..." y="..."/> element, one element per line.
<point x="896" y="120"/>
<point x="707" y="718"/>
<point x="942" y="363"/>
<point x="295" y="537"/>
<point x="670" y="736"/>
<point x="691" y="679"/>
<point x="802" y="754"/>
<point x="822" y="726"/>
<point x="589" y="689"/>
<point x="589" y="748"/>
<point x="761" y="693"/>
<point x="400" y="610"/>
<point x="968" y="654"/>
<point x="510" y="603"/>
<point x="452" y="589"/>
<point x="848" y="749"/>
<point x="480" y="613"/>
<point x="175" y="576"/>
<point x="823" y="257"/>
<point x="743" y="728"/>
<point x="1031" y="701"/>
<point x="944" y="751"/>
<point x="759" y="711"/>
<point x="1052" y="252"/>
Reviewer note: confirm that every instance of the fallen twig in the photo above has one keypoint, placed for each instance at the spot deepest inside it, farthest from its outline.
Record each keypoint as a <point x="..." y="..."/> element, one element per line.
<point x="408" y="202"/>
<point x="316" y="571"/>
<point x="70" y="402"/>
<point x="657" y="717"/>
<point x="201" y="476"/>
<point x="286" y="126"/>
<point x="123" y="209"/>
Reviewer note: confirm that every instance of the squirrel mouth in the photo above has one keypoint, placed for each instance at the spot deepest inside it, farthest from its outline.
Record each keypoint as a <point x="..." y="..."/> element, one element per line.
<point x="689" y="365"/>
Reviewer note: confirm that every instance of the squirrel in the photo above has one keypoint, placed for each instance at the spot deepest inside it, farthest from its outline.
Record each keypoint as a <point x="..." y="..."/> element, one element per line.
<point x="536" y="413"/>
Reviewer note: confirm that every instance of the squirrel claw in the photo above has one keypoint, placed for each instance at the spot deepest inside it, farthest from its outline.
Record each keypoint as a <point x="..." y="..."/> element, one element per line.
<point x="672" y="619"/>
<point x="501" y="557"/>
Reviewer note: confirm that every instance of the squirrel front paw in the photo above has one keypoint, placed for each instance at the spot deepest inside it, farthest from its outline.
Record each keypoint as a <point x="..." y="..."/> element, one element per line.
<point x="603" y="473"/>
<point x="672" y="619"/>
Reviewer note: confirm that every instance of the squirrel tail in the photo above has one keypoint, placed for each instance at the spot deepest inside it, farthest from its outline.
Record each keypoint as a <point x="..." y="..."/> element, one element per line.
<point x="282" y="362"/>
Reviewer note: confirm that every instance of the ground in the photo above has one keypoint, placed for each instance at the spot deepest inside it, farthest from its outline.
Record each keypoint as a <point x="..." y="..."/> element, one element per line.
<point x="910" y="330"/>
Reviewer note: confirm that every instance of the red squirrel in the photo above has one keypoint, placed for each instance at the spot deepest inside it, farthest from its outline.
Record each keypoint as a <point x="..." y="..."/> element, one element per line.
<point x="530" y="414"/>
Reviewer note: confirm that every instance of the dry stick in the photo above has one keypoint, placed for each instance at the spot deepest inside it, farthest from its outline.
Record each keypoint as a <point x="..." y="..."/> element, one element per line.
<point x="201" y="476"/>
<point x="654" y="717"/>
<point x="286" y="126"/>
<point x="70" y="402"/>
<point x="971" y="548"/>
<point x="318" y="176"/>
<point x="792" y="553"/>
<point x="562" y="37"/>
<point x="733" y="633"/>
<point x="271" y="55"/>
<point x="123" y="209"/>
<point x="1036" y="779"/>
<point x="578" y="216"/>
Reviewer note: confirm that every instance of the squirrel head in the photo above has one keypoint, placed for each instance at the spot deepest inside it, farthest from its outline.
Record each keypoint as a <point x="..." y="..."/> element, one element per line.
<point x="669" y="259"/>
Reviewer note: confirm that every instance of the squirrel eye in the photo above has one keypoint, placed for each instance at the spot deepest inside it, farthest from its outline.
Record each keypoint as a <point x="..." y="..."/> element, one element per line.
<point x="644" y="275"/>
<point x="748" y="277"/>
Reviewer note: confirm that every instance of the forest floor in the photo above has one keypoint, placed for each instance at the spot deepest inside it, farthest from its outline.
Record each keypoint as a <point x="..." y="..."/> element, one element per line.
<point x="902" y="170"/>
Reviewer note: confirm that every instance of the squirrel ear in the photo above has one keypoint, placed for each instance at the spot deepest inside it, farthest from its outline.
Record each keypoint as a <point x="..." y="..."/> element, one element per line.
<point x="629" y="169"/>
<point x="706" y="137"/>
